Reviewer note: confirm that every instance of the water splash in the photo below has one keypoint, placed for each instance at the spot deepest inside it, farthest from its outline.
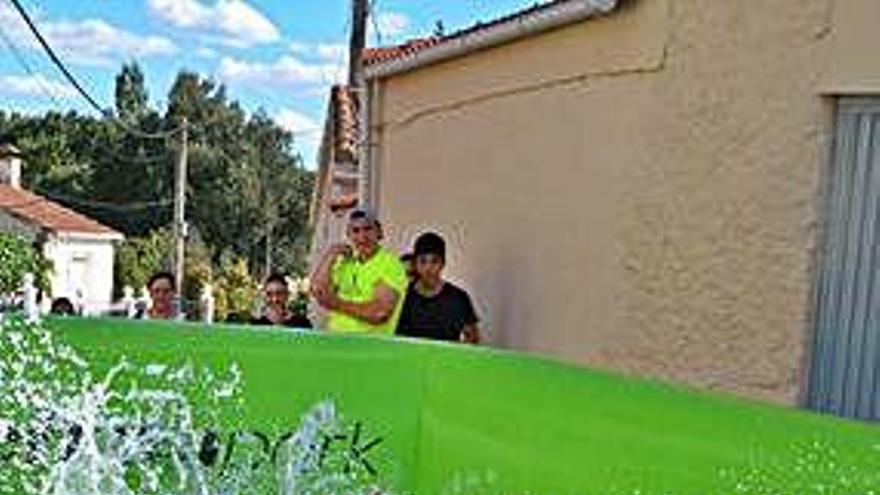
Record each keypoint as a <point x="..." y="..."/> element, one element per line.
<point x="813" y="467"/>
<point x="135" y="431"/>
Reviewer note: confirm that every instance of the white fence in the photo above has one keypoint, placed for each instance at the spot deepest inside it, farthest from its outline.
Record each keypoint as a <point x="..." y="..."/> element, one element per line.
<point x="26" y="300"/>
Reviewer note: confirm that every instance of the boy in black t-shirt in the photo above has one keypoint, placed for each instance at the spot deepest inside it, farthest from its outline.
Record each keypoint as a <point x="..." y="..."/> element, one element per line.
<point x="434" y="308"/>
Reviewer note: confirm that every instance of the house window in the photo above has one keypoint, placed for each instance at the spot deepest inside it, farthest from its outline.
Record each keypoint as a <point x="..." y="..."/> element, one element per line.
<point x="845" y="370"/>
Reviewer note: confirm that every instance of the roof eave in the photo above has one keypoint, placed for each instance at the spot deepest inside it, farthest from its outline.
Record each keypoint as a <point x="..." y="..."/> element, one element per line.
<point x="553" y="17"/>
<point x="109" y="235"/>
<point x="88" y="236"/>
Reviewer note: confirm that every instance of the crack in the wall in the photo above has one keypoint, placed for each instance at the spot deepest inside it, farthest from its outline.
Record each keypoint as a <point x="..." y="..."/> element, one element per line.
<point x="517" y="91"/>
<point x="578" y="79"/>
<point x="827" y="26"/>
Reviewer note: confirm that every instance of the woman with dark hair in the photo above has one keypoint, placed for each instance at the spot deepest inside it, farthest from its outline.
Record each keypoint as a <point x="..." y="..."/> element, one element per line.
<point x="276" y="311"/>
<point x="62" y="306"/>
<point x="163" y="297"/>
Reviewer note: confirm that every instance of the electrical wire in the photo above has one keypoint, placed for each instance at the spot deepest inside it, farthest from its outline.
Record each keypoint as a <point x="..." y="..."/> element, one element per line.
<point x="106" y="205"/>
<point x="342" y="66"/>
<point x="24" y="64"/>
<point x="309" y="131"/>
<point x="78" y="87"/>
<point x="46" y="91"/>
<point x="372" y="13"/>
<point x="144" y="159"/>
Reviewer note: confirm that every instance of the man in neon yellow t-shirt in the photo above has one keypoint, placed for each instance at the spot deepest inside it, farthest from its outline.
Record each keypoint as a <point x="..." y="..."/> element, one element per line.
<point x="360" y="284"/>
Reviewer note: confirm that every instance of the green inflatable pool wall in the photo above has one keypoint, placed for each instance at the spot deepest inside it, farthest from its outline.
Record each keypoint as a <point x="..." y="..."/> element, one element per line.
<point x="505" y="423"/>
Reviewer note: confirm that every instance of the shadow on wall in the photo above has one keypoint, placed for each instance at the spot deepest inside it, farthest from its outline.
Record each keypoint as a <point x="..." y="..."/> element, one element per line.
<point x="496" y="297"/>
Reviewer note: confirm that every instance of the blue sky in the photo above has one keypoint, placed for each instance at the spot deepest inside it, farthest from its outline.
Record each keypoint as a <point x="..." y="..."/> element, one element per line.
<point x="280" y="55"/>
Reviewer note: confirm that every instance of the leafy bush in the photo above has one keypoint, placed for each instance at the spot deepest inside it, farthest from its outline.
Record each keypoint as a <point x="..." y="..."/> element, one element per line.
<point x="18" y="257"/>
<point x="235" y="291"/>
<point x="138" y="258"/>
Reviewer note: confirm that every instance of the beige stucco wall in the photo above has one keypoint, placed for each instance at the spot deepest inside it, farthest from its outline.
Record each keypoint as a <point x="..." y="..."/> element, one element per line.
<point x="854" y="37"/>
<point x="637" y="193"/>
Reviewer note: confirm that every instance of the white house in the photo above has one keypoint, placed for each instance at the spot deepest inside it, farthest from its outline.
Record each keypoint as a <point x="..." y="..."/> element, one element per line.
<point x="80" y="248"/>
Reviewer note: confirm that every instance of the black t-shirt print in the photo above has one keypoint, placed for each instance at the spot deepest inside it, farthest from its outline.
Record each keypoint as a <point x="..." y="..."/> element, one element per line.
<point x="441" y="317"/>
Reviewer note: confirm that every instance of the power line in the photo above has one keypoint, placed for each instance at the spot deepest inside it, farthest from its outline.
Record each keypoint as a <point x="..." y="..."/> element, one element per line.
<point x="373" y="14"/>
<point x="16" y="52"/>
<point x="357" y="41"/>
<point x="106" y="205"/>
<point x="342" y="66"/>
<point x="108" y="151"/>
<point x="72" y="80"/>
<point x="19" y="57"/>
<point x="47" y="91"/>
<point x="145" y="159"/>
<point x="308" y="131"/>
<point x="53" y="57"/>
<point x="76" y="85"/>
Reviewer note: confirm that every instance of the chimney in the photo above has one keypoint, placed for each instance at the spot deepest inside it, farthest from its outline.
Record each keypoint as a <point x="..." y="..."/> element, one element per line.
<point x="10" y="166"/>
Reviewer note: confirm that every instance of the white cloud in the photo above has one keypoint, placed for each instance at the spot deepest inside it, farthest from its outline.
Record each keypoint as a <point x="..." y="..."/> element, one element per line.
<point x="287" y="71"/>
<point x="309" y="66"/>
<point x="8" y="17"/>
<point x="329" y="52"/>
<point x="231" y="22"/>
<point x="390" y="25"/>
<point x="181" y="13"/>
<point x="205" y="52"/>
<point x="37" y="85"/>
<point x="98" y="41"/>
<point x="87" y="41"/>
<point x="306" y="130"/>
<point x="296" y="122"/>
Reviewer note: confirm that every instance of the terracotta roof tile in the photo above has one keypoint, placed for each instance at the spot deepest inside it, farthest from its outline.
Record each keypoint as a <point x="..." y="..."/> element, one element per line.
<point x="344" y="202"/>
<point x="345" y="124"/>
<point x="383" y="54"/>
<point x="49" y="215"/>
<point x="411" y="47"/>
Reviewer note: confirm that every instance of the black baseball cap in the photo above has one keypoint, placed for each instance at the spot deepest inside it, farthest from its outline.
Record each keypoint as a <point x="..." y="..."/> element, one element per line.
<point x="430" y="243"/>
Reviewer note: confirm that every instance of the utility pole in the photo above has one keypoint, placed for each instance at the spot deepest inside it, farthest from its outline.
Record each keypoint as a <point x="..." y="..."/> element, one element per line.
<point x="180" y="209"/>
<point x="357" y="43"/>
<point x="268" y="258"/>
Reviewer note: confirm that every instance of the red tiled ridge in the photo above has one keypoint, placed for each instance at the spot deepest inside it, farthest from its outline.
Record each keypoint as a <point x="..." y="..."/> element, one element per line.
<point x="344" y="202"/>
<point x="382" y="54"/>
<point x="346" y="123"/>
<point x="373" y="56"/>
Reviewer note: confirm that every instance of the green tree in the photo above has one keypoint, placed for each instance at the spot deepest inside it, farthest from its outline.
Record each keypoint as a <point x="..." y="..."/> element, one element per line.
<point x="277" y="180"/>
<point x="20" y="257"/>
<point x="246" y="166"/>
<point x="51" y="162"/>
<point x="198" y="272"/>
<point x="138" y="258"/>
<point x="248" y="194"/>
<point x="130" y="170"/>
<point x="131" y="93"/>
